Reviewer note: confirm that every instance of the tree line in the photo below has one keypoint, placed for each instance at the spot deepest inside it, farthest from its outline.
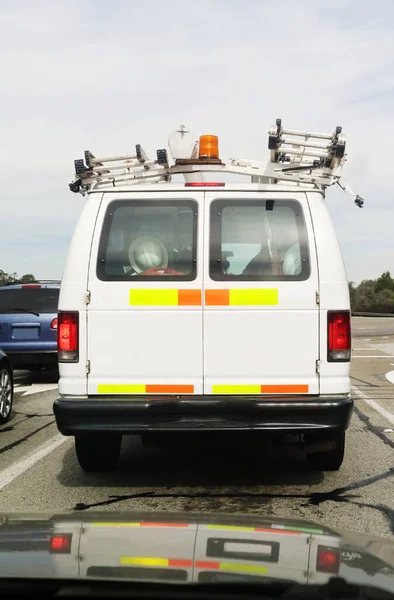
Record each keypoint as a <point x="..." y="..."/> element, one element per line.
<point x="14" y="278"/>
<point x="373" y="295"/>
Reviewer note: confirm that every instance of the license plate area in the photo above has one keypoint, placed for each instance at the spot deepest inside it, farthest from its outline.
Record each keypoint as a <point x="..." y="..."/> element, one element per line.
<point x="243" y="549"/>
<point x="25" y="331"/>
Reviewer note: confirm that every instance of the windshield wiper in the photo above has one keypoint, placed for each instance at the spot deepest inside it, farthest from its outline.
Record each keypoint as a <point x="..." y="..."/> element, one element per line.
<point x="26" y="310"/>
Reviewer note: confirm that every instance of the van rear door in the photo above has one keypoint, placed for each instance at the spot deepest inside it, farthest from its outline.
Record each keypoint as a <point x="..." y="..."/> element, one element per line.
<point x="145" y="277"/>
<point x="261" y="317"/>
<point x="145" y="551"/>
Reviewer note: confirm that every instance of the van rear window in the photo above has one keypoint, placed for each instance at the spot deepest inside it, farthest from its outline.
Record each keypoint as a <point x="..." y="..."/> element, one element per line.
<point x="148" y="240"/>
<point x="258" y="240"/>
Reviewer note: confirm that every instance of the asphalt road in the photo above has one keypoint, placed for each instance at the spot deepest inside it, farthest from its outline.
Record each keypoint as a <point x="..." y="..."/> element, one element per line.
<point x="372" y="326"/>
<point x="39" y="471"/>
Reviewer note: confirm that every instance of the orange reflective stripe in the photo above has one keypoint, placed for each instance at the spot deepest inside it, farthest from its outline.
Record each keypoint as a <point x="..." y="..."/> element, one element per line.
<point x="284" y="531"/>
<point x="179" y="562"/>
<point x="204" y="564"/>
<point x="189" y="297"/>
<point x="169" y="389"/>
<point x="217" y="297"/>
<point x="284" y="389"/>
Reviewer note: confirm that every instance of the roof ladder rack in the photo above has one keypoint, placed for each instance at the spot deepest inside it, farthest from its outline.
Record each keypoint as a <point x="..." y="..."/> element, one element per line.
<point x="298" y="157"/>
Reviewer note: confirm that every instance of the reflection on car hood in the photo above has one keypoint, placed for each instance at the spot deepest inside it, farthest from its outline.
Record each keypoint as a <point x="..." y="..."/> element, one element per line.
<point x="188" y="547"/>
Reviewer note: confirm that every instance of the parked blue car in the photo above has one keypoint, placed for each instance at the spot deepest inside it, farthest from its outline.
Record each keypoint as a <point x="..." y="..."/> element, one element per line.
<point x="6" y="388"/>
<point x="28" y="324"/>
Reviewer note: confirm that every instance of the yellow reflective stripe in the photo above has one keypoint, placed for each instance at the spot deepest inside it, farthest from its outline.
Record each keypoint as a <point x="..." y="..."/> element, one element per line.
<point x="115" y="524"/>
<point x="156" y="297"/>
<point x="120" y="388"/>
<point x="144" y="561"/>
<point x="259" y="297"/>
<point x="236" y="389"/>
<point x="243" y="568"/>
<point x="192" y="297"/>
<point x="230" y="527"/>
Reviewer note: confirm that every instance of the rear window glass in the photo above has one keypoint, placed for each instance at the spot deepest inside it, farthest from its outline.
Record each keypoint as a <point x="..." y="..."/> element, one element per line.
<point x="43" y="300"/>
<point x="258" y="240"/>
<point x="148" y="240"/>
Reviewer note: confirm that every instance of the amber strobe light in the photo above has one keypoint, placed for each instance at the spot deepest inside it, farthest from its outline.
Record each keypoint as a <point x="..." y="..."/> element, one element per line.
<point x="209" y="146"/>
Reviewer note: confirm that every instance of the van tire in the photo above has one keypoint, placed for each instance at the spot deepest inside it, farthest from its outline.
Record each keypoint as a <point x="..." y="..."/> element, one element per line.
<point x="98" y="452"/>
<point x="328" y="460"/>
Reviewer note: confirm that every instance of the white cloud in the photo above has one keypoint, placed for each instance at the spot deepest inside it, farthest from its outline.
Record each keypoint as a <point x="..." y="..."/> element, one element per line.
<point x="92" y="75"/>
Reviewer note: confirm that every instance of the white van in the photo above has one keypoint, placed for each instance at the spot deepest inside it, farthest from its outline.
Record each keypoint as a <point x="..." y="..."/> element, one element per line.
<point x="206" y="306"/>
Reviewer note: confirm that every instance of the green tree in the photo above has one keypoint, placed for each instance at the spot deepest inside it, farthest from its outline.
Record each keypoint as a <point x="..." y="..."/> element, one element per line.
<point x="28" y="278"/>
<point x="7" y="277"/>
<point x="384" y="282"/>
<point x="10" y="277"/>
<point x="385" y="301"/>
<point x="353" y="295"/>
<point x="366" y="296"/>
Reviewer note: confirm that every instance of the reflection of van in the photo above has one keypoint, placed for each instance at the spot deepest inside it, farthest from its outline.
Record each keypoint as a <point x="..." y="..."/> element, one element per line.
<point x="206" y="306"/>
<point x="203" y="550"/>
<point x="188" y="548"/>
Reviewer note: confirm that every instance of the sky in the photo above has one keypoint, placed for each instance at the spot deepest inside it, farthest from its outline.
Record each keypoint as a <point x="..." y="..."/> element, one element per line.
<point x="105" y="76"/>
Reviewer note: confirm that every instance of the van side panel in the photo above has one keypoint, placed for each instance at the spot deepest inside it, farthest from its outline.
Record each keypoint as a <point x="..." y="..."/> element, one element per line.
<point x="73" y="377"/>
<point x="334" y="293"/>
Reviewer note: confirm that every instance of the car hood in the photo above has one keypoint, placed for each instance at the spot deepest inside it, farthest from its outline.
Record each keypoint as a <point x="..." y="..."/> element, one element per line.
<point x="189" y="547"/>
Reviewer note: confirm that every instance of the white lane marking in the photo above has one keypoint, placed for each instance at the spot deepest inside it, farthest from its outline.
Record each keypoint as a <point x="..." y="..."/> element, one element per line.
<point x="373" y="404"/>
<point x="8" y="475"/>
<point x="363" y="348"/>
<point x="21" y="388"/>
<point x="34" y="388"/>
<point x="390" y="376"/>
<point x="375" y="356"/>
<point x="37" y="388"/>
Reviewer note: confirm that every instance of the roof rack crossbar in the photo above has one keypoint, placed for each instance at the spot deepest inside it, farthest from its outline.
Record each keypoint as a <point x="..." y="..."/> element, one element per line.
<point x="307" y="134"/>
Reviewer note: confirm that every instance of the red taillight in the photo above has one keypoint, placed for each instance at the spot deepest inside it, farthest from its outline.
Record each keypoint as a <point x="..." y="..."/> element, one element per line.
<point x="31" y="286"/>
<point x="60" y="544"/>
<point x="54" y="324"/>
<point x="205" y="184"/>
<point x="67" y="336"/>
<point x="328" y="559"/>
<point x="339" y="336"/>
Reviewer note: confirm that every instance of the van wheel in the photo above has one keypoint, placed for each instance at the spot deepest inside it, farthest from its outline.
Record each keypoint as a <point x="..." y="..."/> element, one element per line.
<point x="97" y="452"/>
<point x="328" y="460"/>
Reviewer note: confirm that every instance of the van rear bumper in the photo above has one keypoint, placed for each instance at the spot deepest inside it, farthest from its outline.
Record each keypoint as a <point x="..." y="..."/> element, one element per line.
<point x="136" y="415"/>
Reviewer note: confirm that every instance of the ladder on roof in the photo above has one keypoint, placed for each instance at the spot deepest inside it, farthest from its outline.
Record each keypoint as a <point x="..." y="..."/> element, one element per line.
<point x="297" y="157"/>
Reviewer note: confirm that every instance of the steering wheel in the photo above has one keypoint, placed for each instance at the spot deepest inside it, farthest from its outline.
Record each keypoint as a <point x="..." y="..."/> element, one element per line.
<point x="161" y="271"/>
